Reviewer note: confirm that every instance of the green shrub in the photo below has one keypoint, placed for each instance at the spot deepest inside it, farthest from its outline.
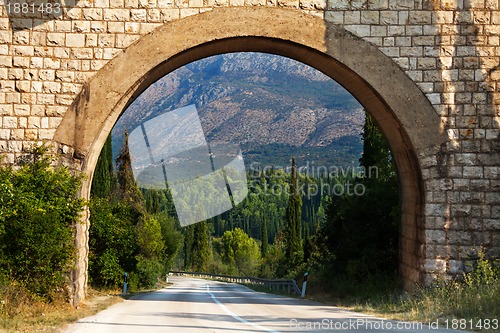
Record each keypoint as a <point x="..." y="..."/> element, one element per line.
<point x="40" y="207"/>
<point x="112" y="242"/>
<point x="110" y="273"/>
<point x="148" y="271"/>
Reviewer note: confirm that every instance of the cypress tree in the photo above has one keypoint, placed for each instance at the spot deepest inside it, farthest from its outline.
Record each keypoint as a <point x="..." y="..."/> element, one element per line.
<point x="264" y="237"/>
<point x="376" y="153"/>
<point x="127" y="191"/>
<point x="293" y="239"/>
<point x="375" y="213"/>
<point x="188" y="246"/>
<point x="201" y="248"/>
<point x="104" y="179"/>
<point x="307" y="244"/>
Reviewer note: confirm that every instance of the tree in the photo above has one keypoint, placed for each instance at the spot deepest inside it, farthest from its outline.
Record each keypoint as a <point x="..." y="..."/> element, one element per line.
<point x="241" y="252"/>
<point x="104" y="179"/>
<point x="129" y="231"/>
<point x="293" y="241"/>
<point x="188" y="246"/>
<point x="264" y="237"/>
<point x="172" y="239"/>
<point x="200" y="249"/>
<point x="112" y="242"/>
<point x="127" y="190"/>
<point x="149" y="237"/>
<point x="39" y="208"/>
<point x="376" y="213"/>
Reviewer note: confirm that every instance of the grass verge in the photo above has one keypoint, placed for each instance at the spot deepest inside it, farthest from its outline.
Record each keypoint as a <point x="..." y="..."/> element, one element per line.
<point x="21" y="312"/>
<point x="472" y="303"/>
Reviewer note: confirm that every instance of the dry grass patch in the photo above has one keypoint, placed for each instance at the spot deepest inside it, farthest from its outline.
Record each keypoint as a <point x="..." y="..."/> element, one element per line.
<point x="21" y="312"/>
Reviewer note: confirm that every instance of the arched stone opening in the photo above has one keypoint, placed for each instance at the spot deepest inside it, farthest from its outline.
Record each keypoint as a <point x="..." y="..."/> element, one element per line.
<point x="401" y="110"/>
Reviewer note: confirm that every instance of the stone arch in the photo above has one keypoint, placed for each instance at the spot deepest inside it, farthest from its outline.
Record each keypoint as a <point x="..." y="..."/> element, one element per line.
<point x="401" y="110"/>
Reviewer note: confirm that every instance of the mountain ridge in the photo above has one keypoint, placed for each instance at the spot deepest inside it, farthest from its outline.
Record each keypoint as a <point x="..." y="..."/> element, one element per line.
<point x="257" y="101"/>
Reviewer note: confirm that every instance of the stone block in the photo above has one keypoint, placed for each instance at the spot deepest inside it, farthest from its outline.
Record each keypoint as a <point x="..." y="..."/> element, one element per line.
<point x="436" y="209"/>
<point x="465" y="159"/>
<point x="370" y="17"/>
<point x="17" y="134"/>
<point x="138" y="15"/>
<point x="359" y="30"/>
<point x="4" y="134"/>
<point x="378" y="31"/>
<point x="98" y="27"/>
<point x="134" y="27"/>
<point x="442" y="17"/>
<point x="455" y="266"/>
<point x="338" y="4"/>
<point x="22" y="122"/>
<point x="46" y="134"/>
<point x="21" y="110"/>
<point x="75" y="40"/>
<point x="116" y="14"/>
<point x="124" y="41"/>
<point x="9" y="122"/>
<point x="473" y="172"/>
<point x="378" y="4"/>
<point x="334" y="17"/>
<point x="423" y="40"/>
<point x="435" y="236"/>
<point x="388" y="17"/>
<point x="31" y="134"/>
<point x="426" y="63"/>
<point x="92" y="14"/>
<point x="492" y="198"/>
<point x="353" y="17"/>
<point x="170" y="14"/>
<point x="435" y="265"/>
<point x="33" y="122"/>
<point x="414" y="51"/>
<point x="14" y="146"/>
<point x="82" y="53"/>
<point x="13" y="97"/>
<point x="118" y="27"/>
<point x="420" y="17"/>
<point x="479" y="185"/>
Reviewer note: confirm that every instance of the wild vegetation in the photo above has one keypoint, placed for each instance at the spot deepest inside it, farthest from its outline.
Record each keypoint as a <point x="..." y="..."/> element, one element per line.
<point x="39" y="207"/>
<point x="131" y="231"/>
<point x="284" y="228"/>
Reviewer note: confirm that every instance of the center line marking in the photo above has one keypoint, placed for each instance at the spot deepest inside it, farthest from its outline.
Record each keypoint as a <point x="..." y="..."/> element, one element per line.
<point x="235" y="316"/>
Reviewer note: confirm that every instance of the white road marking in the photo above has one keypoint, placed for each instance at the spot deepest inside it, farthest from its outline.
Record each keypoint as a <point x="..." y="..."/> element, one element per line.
<point x="235" y="316"/>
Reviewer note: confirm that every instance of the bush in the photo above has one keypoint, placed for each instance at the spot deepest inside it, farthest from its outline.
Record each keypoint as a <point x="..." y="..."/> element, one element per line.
<point x="40" y="206"/>
<point x="110" y="273"/>
<point x="476" y="296"/>
<point x="112" y="242"/>
<point x="148" y="272"/>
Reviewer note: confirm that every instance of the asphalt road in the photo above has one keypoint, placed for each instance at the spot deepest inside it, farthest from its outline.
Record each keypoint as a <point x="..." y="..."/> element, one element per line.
<point x="195" y="305"/>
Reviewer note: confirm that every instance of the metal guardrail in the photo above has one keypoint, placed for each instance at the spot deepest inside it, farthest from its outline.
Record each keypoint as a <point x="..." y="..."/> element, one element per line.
<point x="273" y="284"/>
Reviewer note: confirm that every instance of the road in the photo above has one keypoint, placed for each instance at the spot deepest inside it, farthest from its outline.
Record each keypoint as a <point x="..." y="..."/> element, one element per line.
<point x="195" y="305"/>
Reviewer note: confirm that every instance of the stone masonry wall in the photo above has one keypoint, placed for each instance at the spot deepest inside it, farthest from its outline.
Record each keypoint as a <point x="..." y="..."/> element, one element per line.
<point x="449" y="48"/>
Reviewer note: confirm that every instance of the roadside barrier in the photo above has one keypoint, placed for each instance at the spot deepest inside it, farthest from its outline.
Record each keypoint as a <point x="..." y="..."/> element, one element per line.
<point x="286" y="285"/>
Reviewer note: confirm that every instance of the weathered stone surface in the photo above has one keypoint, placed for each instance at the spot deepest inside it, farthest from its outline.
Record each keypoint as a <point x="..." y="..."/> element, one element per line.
<point x="435" y="265"/>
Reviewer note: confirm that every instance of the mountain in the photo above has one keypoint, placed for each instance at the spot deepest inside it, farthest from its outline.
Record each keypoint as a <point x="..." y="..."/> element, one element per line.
<point x="271" y="106"/>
